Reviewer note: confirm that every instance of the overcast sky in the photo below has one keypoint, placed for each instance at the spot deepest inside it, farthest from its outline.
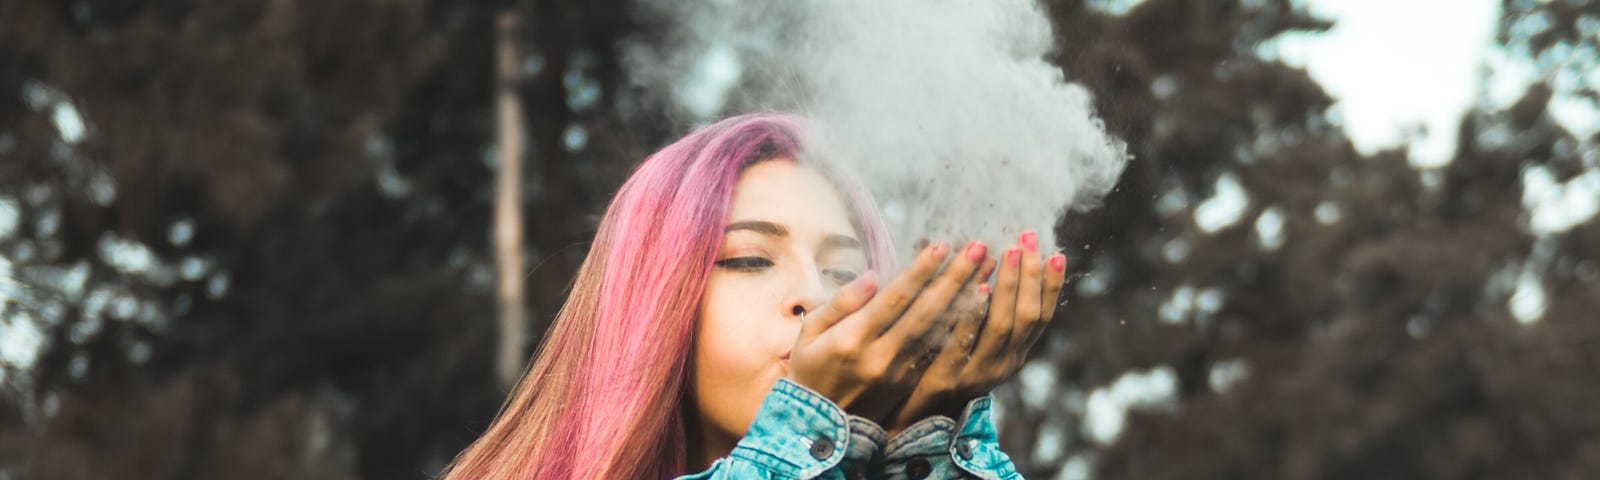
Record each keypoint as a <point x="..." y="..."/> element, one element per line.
<point x="1391" y="77"/>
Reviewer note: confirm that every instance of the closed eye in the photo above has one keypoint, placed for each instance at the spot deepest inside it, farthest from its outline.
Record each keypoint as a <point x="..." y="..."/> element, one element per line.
<point x="744" y="264"/>
<point x="840" y="275"/>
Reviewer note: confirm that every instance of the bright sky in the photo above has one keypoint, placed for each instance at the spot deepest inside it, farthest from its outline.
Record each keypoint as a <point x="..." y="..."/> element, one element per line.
<point x="1390" y="76"/>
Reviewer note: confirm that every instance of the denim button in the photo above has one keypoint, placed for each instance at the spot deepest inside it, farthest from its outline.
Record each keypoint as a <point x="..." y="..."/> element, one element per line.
<point x="918" y="468"/>
<point x="964" y="448"/>
<point x="822" y="448"/>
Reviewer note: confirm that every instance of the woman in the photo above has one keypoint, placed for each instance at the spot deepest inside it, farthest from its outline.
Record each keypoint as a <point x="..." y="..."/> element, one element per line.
<point x="728" y="321"/>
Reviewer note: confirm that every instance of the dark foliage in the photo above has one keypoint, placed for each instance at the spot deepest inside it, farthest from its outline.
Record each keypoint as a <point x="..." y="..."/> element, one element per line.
<point x="312" y="183"/>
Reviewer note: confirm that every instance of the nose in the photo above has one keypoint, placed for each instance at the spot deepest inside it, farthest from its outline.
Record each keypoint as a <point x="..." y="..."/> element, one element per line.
<point x="806" y="292"/>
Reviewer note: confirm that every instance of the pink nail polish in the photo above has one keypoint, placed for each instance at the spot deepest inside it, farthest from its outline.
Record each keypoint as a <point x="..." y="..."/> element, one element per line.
<point x="869" y="281"/>
<point x="1058" y="263"/>
<point x="983" y="289"/>
<point x="1029" y="240"/>
<point x="975" y="251"/>
<point x="1013" y="256"/>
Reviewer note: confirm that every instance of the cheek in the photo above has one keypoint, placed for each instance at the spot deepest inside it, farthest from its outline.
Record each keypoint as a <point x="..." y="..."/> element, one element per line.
<point x="739" y="336"/>
<point x="739" y="328"/>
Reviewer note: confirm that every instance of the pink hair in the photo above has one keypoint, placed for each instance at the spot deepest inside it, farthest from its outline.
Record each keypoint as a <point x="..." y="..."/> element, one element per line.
<point x="603" y="397"/>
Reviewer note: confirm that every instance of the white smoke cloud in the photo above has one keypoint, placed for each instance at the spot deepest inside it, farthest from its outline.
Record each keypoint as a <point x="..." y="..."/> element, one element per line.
<point x="946" y="109"/>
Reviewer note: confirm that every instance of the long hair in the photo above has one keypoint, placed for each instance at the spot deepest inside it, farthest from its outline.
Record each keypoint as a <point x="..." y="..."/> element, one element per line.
<point x="604" y="395"/>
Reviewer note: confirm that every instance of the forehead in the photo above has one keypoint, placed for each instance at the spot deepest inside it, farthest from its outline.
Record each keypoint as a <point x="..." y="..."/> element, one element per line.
<point x="790" y="194"/>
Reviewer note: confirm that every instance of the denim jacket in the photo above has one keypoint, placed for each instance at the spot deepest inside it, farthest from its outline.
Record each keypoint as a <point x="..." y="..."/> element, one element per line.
<point x="799" y="434"/>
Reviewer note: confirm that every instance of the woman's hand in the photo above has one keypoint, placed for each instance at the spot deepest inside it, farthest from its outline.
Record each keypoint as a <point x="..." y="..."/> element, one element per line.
<point x="986" y="352"/>
<point x="865" y="349"/>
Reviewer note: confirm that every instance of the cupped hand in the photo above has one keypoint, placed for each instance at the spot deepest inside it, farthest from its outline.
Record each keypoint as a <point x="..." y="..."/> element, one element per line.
<point x="988" y="349"/>
<point x="866" y="348"/>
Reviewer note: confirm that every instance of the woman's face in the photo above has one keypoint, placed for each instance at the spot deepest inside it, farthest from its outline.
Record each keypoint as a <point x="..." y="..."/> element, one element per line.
<point x="787" y="246"/>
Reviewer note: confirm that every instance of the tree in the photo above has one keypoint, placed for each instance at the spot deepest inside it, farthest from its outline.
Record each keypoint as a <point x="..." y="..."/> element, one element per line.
<point x="324" y="168"/>
<point x="252" y="240"/>
<point x="1353" y="322"/>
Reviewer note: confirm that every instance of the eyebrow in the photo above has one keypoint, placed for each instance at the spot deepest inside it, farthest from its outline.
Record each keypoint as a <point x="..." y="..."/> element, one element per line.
<point x="776" y="230"/>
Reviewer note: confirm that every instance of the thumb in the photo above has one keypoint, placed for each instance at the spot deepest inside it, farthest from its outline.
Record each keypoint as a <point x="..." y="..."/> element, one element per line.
<point x="850" y="298"/>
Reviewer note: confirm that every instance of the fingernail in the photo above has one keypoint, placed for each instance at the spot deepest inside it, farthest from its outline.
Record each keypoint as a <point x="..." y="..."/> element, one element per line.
<point x="1029" y="240"/>
<point x="1058" y="263"/>
<point x="869" y="281"/>
<point x="983" y="289"/>
<point x="986" y="272"/>
<point x="975" y="251"/>
<point x="1013" y="256"/>
<point x="937" y="249"/>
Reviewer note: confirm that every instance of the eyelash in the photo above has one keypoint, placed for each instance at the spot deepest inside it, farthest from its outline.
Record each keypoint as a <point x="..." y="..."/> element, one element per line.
<point x="846" y="277"/>
<point x="751" y="264"/>
<point x="744" y="264"/>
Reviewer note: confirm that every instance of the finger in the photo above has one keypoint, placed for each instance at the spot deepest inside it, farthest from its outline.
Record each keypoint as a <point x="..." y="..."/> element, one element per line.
<point x="1055" y="276"/>
<point x="1055" y="268"/>
<point x="968" y="309"/>
<point x="850" y="298"/>
<point x="922" y="328"/>
<point x="996" y="330"/>
<point x="980" y="283"/>
<point x="885" y="307"/>
<point x="966" y="315"/>
<point x="1030" y="290"/>
<point x="975" y="283"/>
<point x="986" y="272"/>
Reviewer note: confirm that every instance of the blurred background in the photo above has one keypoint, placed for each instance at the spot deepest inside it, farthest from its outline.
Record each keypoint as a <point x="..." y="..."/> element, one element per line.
<point x="253" y="239"/>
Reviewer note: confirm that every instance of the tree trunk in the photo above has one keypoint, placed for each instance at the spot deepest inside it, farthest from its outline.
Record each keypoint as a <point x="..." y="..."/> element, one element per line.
<point x="508" y="203"/>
